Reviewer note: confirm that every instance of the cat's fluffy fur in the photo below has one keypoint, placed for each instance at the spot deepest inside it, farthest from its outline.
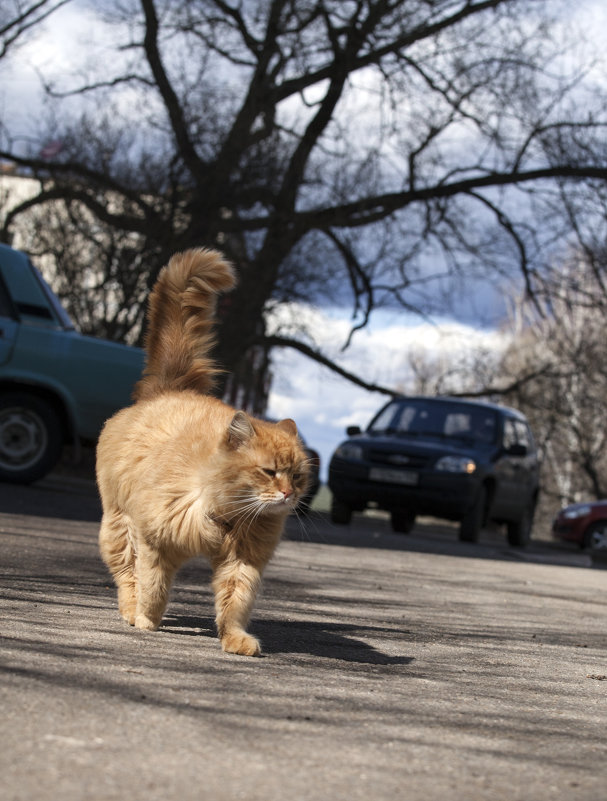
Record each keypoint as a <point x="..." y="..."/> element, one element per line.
<point x="180" y="473"/>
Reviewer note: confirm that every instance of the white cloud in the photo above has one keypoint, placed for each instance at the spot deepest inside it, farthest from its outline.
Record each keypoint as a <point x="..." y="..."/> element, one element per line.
<point x="64" y="48"/>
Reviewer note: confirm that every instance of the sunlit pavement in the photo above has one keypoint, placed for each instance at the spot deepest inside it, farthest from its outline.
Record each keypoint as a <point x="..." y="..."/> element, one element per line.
<point x="412" y="667"/>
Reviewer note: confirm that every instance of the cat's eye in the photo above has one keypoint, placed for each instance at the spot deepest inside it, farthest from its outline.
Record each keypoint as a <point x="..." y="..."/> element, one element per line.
<point x="296" y="476"/>
<point x="269" y="472"/>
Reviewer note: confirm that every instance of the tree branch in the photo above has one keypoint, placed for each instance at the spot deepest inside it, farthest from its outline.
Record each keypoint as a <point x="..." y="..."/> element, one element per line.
<point x="171" y="101"/>
<point x="13" y="28"/>
<point x="508" y="226"/>
<point x="509" y="389"/>
<point x="317" y="356"/>
<point x="357" y="277"/>
<point x="100" y="209"/>
<point x="297" y="85"/>
<point x="377" y="207"/>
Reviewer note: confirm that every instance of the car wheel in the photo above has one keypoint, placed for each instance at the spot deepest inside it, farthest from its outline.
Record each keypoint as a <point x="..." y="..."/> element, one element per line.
<point x="595" y="537"/>
<point x="402" y="521"/>
<point x="518" y="532"/>
<point x="341" y="513"/>
<point x="472" y="523"/>
<point x="31" y="437"/>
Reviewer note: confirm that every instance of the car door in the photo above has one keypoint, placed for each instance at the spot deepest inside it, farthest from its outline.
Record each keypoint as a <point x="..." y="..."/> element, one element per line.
<point x="507" y="466"/>
<point x="527" y="464"/>
<point x="8" y="325"/>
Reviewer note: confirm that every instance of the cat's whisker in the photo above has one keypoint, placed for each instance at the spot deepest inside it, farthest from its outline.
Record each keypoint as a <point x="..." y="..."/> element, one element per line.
<point x="310" y="520"/>
<point x="246" y="508"/>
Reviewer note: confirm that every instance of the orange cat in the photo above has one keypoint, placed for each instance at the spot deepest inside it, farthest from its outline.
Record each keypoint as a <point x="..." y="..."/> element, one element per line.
<point x="180" y="473"/>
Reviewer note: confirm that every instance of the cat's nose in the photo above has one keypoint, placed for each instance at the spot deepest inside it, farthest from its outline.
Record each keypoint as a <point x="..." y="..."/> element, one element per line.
<point x="287" y="493"/>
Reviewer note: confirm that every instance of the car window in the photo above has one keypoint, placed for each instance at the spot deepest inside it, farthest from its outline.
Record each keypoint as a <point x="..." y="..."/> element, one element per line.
<point x="443" y="420"/>
<point x="510" y="436"/>
<point x="470" y="423"/>
<point x="524" y="436"/>
<point x="383" y="421"/>
<point x="411" y="418"/>
<point x="517" y="432"/>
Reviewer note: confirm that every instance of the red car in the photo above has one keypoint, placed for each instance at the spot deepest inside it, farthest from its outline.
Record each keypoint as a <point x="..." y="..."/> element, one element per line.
<point x="584" y="523"/>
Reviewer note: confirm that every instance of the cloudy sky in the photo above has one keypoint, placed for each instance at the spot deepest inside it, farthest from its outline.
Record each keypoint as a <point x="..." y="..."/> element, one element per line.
<point x="322" y="403"/>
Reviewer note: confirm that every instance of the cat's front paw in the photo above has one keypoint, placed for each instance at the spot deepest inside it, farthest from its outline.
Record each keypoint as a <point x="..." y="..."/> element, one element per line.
<point x="143" y="622"/>
<point x="129" y="617"/>
<point x="239" y="642"/>
<point x="127" y="606"/>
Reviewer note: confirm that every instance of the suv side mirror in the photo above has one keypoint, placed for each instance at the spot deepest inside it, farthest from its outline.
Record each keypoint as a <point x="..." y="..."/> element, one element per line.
<point x="517" y="450"/>
<point x="352" y="431"/>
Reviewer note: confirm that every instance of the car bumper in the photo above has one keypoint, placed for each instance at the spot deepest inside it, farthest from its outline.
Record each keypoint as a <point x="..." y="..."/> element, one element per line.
<point x="445" y="495"/>
<point x="568" y="531"/>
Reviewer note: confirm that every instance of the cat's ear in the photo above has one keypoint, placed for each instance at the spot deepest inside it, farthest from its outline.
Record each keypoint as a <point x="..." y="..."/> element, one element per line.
<point x="289" y="426"/>
<point x="240" y="430"/>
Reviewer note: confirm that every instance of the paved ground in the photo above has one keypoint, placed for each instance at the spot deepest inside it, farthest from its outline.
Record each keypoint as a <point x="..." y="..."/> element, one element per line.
<point x="395" y="668"/>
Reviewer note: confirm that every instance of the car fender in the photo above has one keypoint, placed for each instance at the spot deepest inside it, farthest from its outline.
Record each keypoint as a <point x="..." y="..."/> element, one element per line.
<point x="54" y="391"/>
<point x="602" y="521"/>
<point x="92" y="377"/>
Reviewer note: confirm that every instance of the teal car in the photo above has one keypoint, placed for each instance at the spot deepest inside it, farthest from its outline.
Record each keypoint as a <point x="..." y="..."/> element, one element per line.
<point x="57" y="386"/>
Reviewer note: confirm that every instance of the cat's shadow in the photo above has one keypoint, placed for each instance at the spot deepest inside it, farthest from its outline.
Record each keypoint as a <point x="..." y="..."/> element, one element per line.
<point x="188" y="626"/>
<point x="314" y="638"/>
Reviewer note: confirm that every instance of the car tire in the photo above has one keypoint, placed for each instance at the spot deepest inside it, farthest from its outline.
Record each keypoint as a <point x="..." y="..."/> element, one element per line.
<point x="595" y="537"/>
<point x="402" y="521"/>
<point x="472" y="523"/>
<point x="341" y="513"/>
<point x="31" y="437"/>
<point x="518" y="532"/>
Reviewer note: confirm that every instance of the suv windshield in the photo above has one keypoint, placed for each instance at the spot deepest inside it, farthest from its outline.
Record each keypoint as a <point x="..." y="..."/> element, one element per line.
<point x="437" y="419"/>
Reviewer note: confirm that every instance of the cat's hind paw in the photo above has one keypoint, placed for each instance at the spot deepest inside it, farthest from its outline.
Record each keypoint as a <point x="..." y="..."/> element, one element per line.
<point x="239" y="642"/>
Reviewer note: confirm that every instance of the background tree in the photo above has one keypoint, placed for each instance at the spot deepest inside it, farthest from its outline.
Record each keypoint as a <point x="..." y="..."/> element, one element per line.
<point x="565" y="402"/>
<point x="370" y="152"/>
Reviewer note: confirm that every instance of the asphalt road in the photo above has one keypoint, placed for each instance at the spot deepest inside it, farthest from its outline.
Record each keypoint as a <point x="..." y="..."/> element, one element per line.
<point x="394" y="668"/>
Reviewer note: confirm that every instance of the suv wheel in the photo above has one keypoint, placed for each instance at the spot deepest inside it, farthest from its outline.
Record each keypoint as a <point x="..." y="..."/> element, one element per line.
<point x="402" y="521"/>
<point x="31" y="437"/>
<point x="595" y="537"/>
<point x="340" y="512"/>
<point x="519" y="531"/>
<point x="471" y="525"/>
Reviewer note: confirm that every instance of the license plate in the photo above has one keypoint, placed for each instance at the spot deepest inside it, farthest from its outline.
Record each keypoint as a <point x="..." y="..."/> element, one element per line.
<point x="407" y="477"/>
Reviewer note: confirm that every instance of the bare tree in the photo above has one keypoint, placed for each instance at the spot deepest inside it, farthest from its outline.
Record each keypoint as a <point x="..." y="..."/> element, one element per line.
<point x="565" y="402"/>
<point x="366" y="152"/>
<point x="18" y="19"/>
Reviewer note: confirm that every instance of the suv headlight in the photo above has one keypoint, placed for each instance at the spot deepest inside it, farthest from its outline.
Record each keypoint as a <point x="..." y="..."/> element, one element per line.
<point x="456" y="464"/>
<point x="348" y="450"/>
<point x="576" y="511"/>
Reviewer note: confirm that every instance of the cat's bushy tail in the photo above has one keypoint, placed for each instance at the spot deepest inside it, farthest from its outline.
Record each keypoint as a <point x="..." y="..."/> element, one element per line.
<point x="181" y="311"/>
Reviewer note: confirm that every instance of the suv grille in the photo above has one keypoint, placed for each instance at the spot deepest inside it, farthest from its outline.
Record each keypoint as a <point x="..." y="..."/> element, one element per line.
<point x="414" y="461"/>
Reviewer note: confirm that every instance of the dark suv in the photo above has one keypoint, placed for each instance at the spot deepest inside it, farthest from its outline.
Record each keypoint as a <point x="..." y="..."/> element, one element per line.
<point x="448" y="458"/>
